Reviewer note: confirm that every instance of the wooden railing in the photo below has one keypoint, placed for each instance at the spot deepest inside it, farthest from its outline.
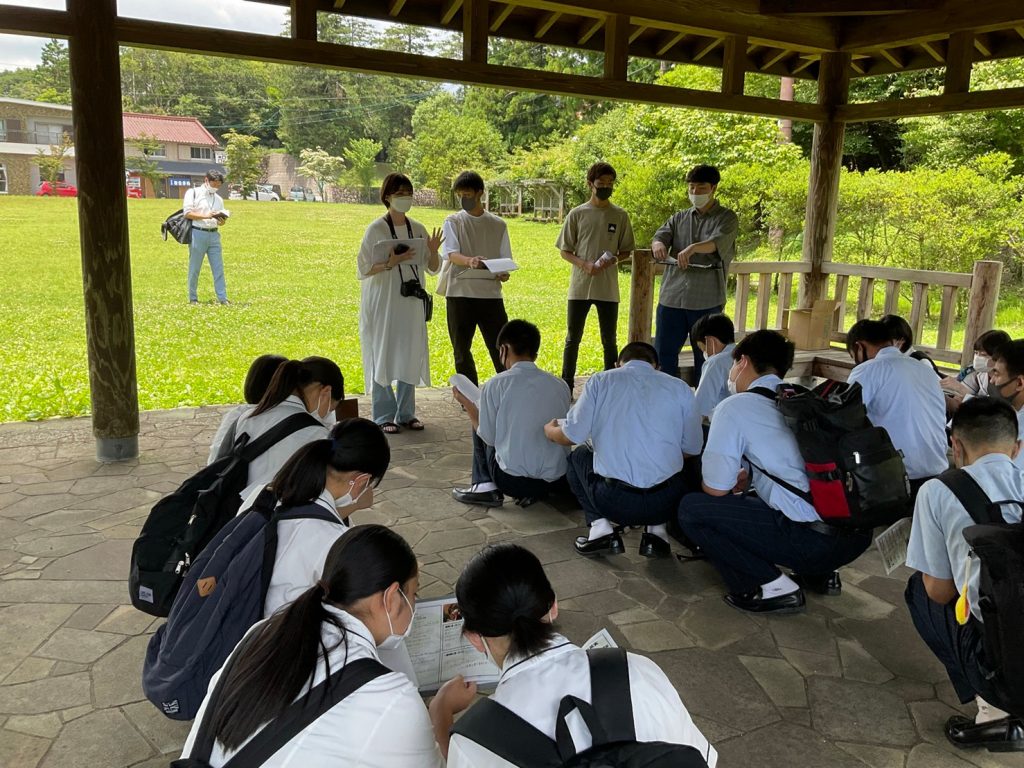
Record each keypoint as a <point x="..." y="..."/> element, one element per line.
<point x="982" y="285"/>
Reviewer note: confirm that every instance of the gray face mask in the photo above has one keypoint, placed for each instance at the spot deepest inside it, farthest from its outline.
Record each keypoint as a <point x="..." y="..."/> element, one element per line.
<point x="468" y="203"/>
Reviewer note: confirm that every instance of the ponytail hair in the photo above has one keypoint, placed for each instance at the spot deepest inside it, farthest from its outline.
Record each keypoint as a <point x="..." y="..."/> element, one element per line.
<point x="355" y="445"/>
<point x="292" y="375"/>
<point x="281" y="657"/>
<point x="503" y="591"/>
<point x="257" y="380"/>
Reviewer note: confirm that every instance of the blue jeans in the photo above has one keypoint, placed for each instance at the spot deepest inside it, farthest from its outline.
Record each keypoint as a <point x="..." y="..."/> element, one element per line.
<point x="673" y="326"/>
<point x="386" y="408"/>
<point x="205" y="243"/>
<point x="745" y="540"/>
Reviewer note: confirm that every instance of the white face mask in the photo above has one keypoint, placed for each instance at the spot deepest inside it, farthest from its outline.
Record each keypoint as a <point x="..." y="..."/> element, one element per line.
<point x="980" y="363"/>
<point x="392" y="641"/>
<point x="329" y="420"/>
<point x="347" y="500"/>
<point x="402" y="203"/>
<point x="730" y="384"/>
<point x="699" y="201"/>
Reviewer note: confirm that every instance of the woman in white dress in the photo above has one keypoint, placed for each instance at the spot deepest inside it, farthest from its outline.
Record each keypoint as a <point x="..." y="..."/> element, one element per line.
<point x="393" y="326"/>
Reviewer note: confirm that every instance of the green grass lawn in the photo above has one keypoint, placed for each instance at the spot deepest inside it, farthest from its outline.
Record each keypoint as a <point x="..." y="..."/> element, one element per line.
<point x="291" y="275"/>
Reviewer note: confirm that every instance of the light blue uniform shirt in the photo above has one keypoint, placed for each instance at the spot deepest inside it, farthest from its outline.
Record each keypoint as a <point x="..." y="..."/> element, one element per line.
<point x="514" y="407"/>
<point x="641" y="422"/>
<point x="714" y="381"/>
<point x="937" y="544"/>
<point x="750" y="426"/>
<point x="905" y="398"/>
<point x="1019" y="461"/>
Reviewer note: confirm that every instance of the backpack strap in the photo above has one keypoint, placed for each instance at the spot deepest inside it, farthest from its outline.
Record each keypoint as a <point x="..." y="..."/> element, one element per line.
<point x="250" y="450"/>
<point x="307" y="512"/>
<point x="610" y="693"/>
<point x="800" y="494"/>
<point x="504" y="733"/>
<point x="967" y="491"/>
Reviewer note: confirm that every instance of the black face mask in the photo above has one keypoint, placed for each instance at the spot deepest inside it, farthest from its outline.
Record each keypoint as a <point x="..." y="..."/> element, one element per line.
<point x="602" y="193"/>
<point x="468" y="203"/>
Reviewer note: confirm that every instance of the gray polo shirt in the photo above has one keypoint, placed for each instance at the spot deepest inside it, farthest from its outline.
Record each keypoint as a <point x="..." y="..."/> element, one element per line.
<point x="702" y="284"/>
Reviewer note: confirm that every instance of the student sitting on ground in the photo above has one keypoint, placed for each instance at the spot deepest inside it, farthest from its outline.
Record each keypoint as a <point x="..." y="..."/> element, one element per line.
<point x="985" y="443"/>
<point x="509" y="608"/>
<point x="973" y="380"/>
<point x="716" y="338"/>
<point x="256" y="382"/>
<point x="901" y="396"/>
<point x="1006" y="382"/>
<point x="511" y="456"/>
<point x="747" y="535"/>
<point x="641" y="422"/>
<point x="363" y="603"/>
<point x="903" y="338"/>
<point x="314" y="386"/>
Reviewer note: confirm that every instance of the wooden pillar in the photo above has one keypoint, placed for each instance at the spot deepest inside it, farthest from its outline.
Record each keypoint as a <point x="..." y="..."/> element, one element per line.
<point x="103" y="228"/>
<point x="959" y="59"/>
<point x="823" y="187"/>
<point x="641" y="297"/>
<point x="616" y="47"/>
<point x="303" y="20"/>
<point x="981" y="307"/>
<point x="734" y="65"/>
<point x="475" y="23"/>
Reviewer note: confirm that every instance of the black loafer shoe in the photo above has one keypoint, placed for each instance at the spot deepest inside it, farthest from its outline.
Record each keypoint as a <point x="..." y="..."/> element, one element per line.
<point x="605" y="545"/>
<point x="1005" y="735"/>
<point x="481" y="499"/>
<point x="693" y="552"/>
<point x="526" y="501"/>
<point x="752" y="602"/>
<point x="654" y="546"/>
<point x="830" y="585"/>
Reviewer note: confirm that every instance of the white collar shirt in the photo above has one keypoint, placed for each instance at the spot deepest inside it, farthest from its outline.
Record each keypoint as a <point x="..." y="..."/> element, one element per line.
<point x="749" y="427"/>
<point x="1019" y="461"/>
<point x="714" y="381"/>
<point x="384" y="724"/>
<point x="905" y="398"/>
<point x="514" y="407"/>
<point x="224" y="439"/>
<point x="937" y="544"/>
<point x="203" y="199"/>
<point x="263" y="468"/>
<point x="641" y="421"/>
<point x="533" y="687"/>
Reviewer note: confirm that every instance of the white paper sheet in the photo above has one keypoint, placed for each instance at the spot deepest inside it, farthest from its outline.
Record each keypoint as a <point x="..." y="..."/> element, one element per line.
<point x="438" y="650"/>
<point x="499" y="266"/>
<point x="892" y="545"/>
<point x="466" y="387"/>
<point x="601" y="639"/>
<point x="382" y="249"/>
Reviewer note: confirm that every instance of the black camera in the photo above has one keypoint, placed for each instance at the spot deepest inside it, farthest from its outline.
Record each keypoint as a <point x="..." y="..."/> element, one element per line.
<point x="413" y="289"/>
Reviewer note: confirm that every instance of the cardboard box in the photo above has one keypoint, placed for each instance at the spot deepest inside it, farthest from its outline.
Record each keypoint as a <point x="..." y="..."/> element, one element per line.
<point x="347" y="409"/>
<point x="811" y="327"/>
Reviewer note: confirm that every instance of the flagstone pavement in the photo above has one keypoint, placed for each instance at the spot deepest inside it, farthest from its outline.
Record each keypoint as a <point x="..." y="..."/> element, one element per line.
<point x="847" y="684"/>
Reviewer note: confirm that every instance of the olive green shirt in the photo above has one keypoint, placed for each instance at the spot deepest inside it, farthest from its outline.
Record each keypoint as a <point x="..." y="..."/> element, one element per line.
<point x="589" y="231"/>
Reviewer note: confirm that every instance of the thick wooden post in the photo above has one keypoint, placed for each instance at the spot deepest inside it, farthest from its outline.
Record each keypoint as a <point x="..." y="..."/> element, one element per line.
<point x="641" y="297"/>
<point x="616" y="47"/>
<point x="475" y="22"/>
<point x="103" y="228"/>
<point x="981" y="307"/>
<point x="823" y="188"/>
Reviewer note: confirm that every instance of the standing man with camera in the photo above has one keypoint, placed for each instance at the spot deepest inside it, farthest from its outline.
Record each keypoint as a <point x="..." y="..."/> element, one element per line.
<point x="205" y="208"/>
<point x="472" y="293"/>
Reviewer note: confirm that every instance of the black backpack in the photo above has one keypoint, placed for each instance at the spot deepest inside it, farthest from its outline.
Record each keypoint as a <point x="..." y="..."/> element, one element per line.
<point x="178" y="226"/>
<point x="180" y="525"/>
<point x="999" y="547"/>
<point x="609" y="718"/>
<point x="857" y="477"/>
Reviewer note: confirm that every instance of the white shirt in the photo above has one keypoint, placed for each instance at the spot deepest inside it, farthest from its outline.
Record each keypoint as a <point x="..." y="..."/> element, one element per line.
<point x="905" y="398"/>
<point x="532" y="688"/>
<point x="514" y="407"/>
<point x="224" y="440"/>
<point x="263" y="468"/>
<point x="205" y="200"/>
<point x="641" y="422"/>
<point x="714" y="381"/>
<point x="1019" y="461"/>
<point x="749" y="426"/>
<point x="937" y="544"/>
<point x="384" y="724"/>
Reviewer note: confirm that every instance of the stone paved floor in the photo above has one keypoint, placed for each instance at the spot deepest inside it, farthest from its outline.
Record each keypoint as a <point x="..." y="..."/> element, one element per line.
<point x="847" y="684"/>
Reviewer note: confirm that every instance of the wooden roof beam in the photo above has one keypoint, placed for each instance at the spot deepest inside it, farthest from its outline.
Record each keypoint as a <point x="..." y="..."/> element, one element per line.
<point x="474" y="30"/>
<point x="34" y="21"/>
<point x="1020" y="31"/>
<point x="701" y="51"/>
<point x="616" y="48"/>
<point x="932" y="48"/>
<point x="545" y="23"/>
<point x="844" y="7"/>
<point x="589" y="29"/>
<point x="734" y="65"/>
<point x="395" y="7"/>
<point x="983" y="43"/>
<point x="947" y="103"/>
<point x="959" y="59"/>
<point x="807" y="60"/>
<point x="635" y="34"/>
<point x="773" y="58"/>
<point x="668" y="42"/>
<point x="911" y="28"/>
<point x="892" y="57"/>
<point x="501" y="16"/>
<point x="449" y="9"/>
<point x="303" y="24"/>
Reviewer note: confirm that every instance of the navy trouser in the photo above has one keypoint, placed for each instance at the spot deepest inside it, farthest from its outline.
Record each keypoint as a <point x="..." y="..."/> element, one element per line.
<point x="600" y="497"/>
<point x="746" y="540"/>
<point x="673" y="326"/>
<point x="487" y="470"/>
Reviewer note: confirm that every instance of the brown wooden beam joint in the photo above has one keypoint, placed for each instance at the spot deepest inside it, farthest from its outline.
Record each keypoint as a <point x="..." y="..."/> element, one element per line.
<point x="616" y="47"/>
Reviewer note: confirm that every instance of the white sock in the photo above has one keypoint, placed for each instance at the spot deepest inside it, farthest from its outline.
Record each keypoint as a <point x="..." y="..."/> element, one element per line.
<point x="987" y="713"/>
<point x="661" y="531"/>
<point x="600" y="528"/>
<point x="781" y="586"/>
<point x="483" y="487"/>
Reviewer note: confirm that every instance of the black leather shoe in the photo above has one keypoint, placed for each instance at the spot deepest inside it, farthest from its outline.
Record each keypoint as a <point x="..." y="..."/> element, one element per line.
<point x="1006" y="735"/>
<point x="526" y="501"/>
<point x="752" y="602"/>
<point x="830" y="585"/>
<point x="605" y="545"/>
<point x="481" y="499"/>
<point x="654" y="546"/>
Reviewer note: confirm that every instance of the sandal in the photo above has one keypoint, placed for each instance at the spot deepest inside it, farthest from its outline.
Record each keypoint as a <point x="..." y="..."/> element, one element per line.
<point x="414" y="424"/>
<point x="390" y="428"/>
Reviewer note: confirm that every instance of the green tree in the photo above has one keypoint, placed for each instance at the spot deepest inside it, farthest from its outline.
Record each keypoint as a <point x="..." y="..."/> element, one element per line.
<point x="322" y="167"/>
<point x="143" y="163"/>
<point x="362" y="161"/>
<point x="51" y="161"/>
<point x="246" y="160"/>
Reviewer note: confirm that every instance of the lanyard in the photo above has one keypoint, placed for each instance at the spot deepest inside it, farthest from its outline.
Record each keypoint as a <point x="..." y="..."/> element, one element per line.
<point x="391" y="226"/>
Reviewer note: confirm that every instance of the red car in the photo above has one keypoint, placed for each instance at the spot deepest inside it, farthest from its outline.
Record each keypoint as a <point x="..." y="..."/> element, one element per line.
<point x="63" y="189"/>
<point x="134" y="192"/>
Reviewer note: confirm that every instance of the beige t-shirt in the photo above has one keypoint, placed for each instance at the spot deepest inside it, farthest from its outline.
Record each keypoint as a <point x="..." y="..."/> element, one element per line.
<point x="485" y="236"/>
<point x="589" y="231"/>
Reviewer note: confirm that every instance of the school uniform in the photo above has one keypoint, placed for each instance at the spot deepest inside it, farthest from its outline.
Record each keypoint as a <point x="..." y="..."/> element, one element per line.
<point x="533" y="687"/>
<point x="1019" y="461"/>
<point x="263" y="468"/>
<point x="384" y="724"/>
<point x="224" y="439"/>
<point x="205" y="240"/>
<point x="714" y="381"/>
<point x="509" y="445"/>
<point x="937" y="548"/>
<point x="905" y="398"/>
<point x="471" y="301"/>
<point x="640" y="422"/>
<point x="746" y="535"/>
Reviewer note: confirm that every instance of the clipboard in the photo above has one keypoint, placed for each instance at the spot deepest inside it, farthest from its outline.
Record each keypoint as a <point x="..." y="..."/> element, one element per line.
<point x="382" y="249"/>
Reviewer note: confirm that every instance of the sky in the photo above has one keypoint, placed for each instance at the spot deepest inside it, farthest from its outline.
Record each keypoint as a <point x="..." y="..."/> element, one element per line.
<point x="240" y="15"/>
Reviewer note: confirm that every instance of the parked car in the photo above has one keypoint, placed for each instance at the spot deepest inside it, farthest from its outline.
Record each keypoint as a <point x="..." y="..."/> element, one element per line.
<point x="133" y="192"/>
<point x="63" y="189"/>
<point x="297" y="194"/>
<point x="266" y="192"/>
